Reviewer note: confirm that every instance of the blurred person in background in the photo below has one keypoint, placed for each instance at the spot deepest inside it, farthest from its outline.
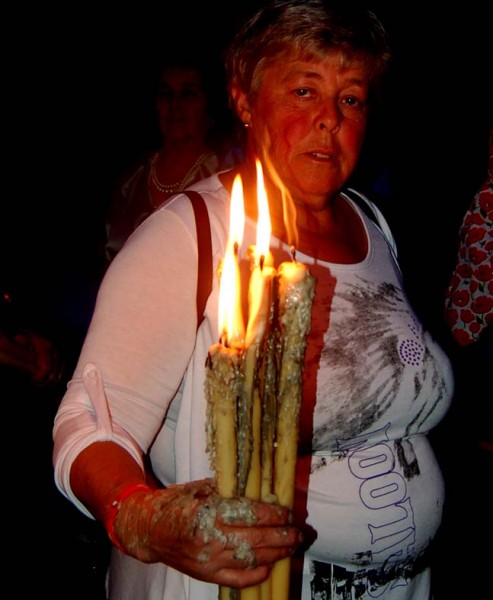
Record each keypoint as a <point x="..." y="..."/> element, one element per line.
<point x="194" y="141"/>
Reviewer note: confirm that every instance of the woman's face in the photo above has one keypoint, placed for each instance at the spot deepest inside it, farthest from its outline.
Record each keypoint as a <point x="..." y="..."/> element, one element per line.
<point x="182" y="104"/>
<point x="311" y="119"/>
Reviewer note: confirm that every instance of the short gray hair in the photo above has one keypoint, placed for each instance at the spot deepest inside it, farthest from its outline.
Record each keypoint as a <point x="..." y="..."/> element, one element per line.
<point x="311" y="29"/>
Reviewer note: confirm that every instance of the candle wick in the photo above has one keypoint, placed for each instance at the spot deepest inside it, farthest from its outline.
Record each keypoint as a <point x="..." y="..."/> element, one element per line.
<point x="261" y="261"/>
<point x="236" y="248"/>
<point x="293" y="253"/>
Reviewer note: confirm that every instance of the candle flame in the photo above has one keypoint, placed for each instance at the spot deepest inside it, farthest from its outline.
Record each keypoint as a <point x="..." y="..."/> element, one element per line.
<point x="237" y="213"/>
<point x="264" y="227"/>
<point x="259" y="289"/>
<point x="231" y="324"/>
<point x="288" y="206"/>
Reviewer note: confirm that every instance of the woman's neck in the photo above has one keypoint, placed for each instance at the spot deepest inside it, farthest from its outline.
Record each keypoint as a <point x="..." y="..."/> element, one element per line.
<point x="335" y="234"/>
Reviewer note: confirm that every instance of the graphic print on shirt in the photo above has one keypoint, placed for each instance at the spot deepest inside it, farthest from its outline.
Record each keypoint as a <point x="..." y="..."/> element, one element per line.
<point x="378" y="383"/>
<point x="375" y="367"/>
<point x="389" y="556"/>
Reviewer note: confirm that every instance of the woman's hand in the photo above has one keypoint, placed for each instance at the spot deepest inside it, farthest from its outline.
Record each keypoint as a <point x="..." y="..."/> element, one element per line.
<point x="232" y="542"/>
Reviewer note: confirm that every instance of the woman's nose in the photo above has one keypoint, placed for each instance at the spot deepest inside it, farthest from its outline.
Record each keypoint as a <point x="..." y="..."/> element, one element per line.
<point x="329" y="117"/>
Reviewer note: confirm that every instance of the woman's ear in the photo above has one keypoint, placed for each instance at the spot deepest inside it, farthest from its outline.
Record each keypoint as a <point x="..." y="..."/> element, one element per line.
<point x="241" y="105"/>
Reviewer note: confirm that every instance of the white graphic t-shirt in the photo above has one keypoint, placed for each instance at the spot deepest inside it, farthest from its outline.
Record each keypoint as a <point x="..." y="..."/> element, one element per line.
<point x="369" y="490"/>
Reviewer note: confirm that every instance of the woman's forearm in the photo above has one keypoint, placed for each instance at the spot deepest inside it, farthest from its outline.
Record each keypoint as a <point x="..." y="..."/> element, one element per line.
<point x="100" y="473"/>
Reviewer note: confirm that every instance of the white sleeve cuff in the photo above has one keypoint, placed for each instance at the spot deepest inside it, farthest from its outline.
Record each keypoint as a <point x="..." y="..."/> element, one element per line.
<point x="82" y="419"/>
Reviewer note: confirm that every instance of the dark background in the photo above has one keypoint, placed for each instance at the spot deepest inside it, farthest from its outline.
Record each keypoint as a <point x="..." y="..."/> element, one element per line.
<point x="77" y="110"/>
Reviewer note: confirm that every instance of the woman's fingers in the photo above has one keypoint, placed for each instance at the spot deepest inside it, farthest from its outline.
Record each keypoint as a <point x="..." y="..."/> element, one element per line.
<point x="244" y="578"/>
<point x="241" y="511"/>
<point x="232" y="542"/>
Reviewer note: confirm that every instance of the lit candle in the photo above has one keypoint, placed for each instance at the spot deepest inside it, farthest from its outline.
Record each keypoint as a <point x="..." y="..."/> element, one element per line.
<point x="296" y="291"/>
<point x="224" y="377"/>
<point x="224" y="367"/>
<point x="259" y="308"/>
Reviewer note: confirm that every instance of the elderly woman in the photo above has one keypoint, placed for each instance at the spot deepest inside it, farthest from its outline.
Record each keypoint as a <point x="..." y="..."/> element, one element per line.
<point x="302" y="78"/>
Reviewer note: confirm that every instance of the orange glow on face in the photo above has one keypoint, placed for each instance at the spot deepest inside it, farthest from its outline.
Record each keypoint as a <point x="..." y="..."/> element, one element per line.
<point x="231" y="324"/>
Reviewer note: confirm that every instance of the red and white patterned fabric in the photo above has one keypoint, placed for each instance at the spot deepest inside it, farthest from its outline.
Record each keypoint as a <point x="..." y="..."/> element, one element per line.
<point x="469" y="296"/>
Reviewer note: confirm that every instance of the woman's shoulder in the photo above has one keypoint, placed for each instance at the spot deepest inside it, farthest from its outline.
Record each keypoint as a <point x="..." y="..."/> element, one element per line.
<point x="211" y="190"/>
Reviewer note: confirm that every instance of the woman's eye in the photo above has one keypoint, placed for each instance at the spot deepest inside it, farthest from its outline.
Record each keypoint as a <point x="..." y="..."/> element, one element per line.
<point x="353" y="102"/>
<point x="302" y="92"/>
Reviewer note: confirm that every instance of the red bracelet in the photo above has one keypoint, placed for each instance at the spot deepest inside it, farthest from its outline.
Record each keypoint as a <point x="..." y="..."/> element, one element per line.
<point x="115" y="507"/>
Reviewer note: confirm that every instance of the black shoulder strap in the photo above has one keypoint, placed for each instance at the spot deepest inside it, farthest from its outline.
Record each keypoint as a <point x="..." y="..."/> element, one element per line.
<point x="204" y="245"/>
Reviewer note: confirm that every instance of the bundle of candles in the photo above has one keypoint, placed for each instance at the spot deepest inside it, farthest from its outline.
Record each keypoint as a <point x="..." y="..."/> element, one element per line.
<point x="254" y="378"/>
